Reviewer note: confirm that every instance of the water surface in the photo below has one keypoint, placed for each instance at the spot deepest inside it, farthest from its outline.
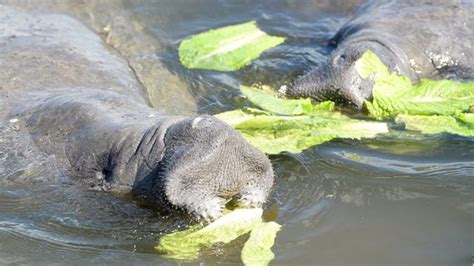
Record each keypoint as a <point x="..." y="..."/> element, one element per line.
<point x="401" y="199"/>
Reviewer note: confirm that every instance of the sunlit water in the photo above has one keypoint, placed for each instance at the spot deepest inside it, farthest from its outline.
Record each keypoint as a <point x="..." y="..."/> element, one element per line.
<point x="401" y="199"/>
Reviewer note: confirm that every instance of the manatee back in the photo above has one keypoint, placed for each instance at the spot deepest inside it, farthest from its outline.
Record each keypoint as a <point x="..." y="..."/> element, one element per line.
<point x="51" y="51"/>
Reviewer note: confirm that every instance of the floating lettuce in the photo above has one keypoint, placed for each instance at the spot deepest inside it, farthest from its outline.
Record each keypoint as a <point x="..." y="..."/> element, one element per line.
<point x="393" y="94"/>
<point x="431" y="106"/>
<point x="185" y="245"/>
<point x="460" y="125"/>
<point x="226" y="49"/>
<point x="257" y="250"/>
<point x="294" y="125"/>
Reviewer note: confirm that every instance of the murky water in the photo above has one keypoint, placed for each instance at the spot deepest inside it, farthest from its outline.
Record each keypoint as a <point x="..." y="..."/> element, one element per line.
<point x="400" y="199"/>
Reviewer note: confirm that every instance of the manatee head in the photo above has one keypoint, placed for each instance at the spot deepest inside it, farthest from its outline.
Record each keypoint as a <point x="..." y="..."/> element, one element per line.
<point x="206" y="163"/>
<point x="338" y="80"/>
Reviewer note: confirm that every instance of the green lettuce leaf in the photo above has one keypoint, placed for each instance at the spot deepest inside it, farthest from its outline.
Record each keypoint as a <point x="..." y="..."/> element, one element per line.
<point x="257" y="249"/>
<point x="226" y="49"/>
<point x="186" y="244"/>
<point x="461" y="125"/>
<point x="267" y="100"/>
<point x="431" y="106"/>
<point x="467" y="118"/>
<point x="294" y="125"/>
<point x="393" y="94"/>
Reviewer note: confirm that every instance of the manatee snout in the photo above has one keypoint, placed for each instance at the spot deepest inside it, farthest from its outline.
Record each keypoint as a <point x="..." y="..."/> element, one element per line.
<point x="312" y="84"/>
<point x="206" y="163"/>
<point x="336" y="80"/>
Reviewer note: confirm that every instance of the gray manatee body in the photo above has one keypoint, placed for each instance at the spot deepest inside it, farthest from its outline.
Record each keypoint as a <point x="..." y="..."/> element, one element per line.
<point x="80" y="102"/>
<point x="420" y="39"/>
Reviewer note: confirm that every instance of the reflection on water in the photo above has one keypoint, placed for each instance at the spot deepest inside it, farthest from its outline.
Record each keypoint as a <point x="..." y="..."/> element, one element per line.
<point x="399" y="200"/>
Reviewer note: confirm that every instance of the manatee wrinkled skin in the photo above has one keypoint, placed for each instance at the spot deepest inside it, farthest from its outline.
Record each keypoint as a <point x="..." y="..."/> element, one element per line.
<point x="419" y="39"/>
<point x="80" y="102"/>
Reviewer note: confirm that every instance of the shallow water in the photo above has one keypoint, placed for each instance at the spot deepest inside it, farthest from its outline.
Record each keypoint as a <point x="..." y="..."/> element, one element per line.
<point x="400" y="199"/>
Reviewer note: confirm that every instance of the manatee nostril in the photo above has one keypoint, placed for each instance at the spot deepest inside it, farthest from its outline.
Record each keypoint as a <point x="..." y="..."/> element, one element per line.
<point x="340" y="60"/>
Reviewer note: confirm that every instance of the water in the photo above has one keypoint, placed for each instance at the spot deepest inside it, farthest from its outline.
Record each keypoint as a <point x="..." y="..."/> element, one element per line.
<point x="400" y="199"/>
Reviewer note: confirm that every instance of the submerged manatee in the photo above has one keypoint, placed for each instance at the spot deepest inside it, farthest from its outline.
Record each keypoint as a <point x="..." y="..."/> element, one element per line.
<point x="80" y="102"/>
<point x="419" y="39"/>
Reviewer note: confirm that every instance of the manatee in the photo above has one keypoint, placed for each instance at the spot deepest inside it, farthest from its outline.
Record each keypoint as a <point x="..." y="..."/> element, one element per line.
<point x="79" y="101"/>
<point x="419" y="39"/>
